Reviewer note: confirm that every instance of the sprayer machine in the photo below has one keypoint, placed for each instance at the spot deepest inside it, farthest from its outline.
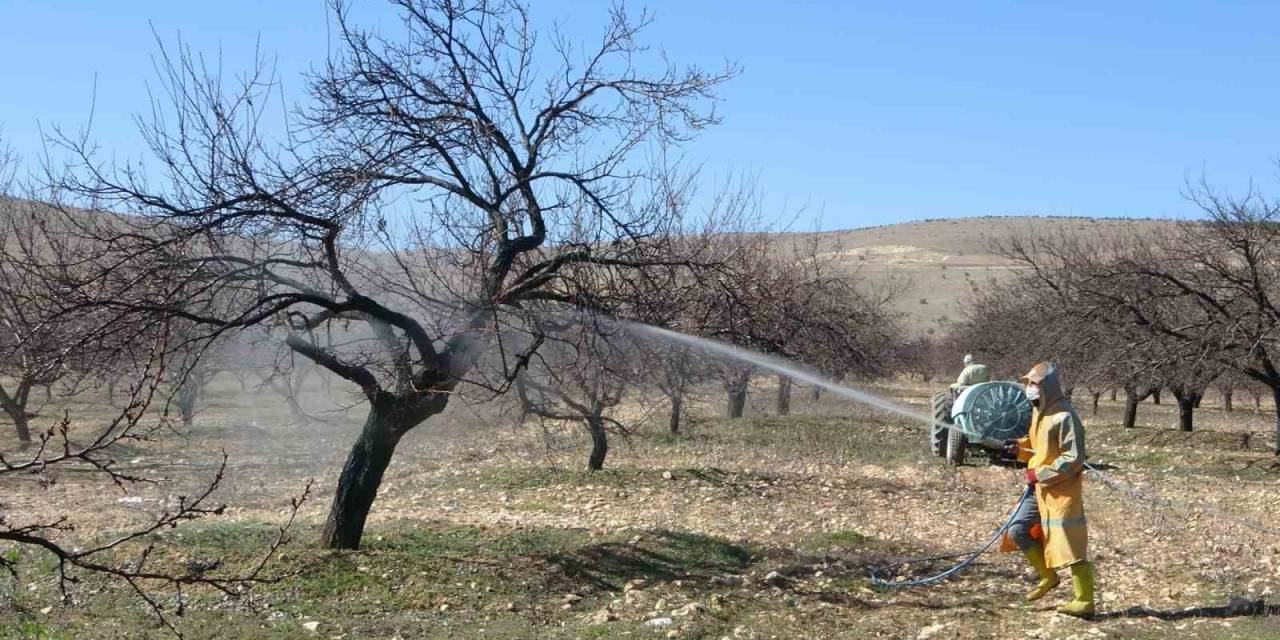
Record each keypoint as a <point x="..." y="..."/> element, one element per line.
<point x="982" y="415"/>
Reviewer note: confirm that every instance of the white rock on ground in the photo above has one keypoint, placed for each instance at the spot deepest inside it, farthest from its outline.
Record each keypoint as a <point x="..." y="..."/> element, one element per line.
<point x="930" y="631"/>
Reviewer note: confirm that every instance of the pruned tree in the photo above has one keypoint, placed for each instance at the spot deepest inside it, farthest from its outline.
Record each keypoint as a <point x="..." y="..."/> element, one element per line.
<point x="431" y="184"/>
<point x="583" y="372"/>
<point x="131" y="557"/>
<point x="40" y="348"/>
<point x="796" y="305"/>
<point x="1193" y="302"/>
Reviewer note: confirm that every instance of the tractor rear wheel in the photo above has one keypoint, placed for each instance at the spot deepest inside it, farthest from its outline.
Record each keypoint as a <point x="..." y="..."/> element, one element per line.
<point x="941" y="416"/>
<point x="956" y="444"/>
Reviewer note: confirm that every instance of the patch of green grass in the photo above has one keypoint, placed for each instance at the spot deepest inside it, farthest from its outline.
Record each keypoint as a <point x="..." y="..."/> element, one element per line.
<point x="30" y="629"/>
<point x="224" y="536"/>
<point x="444" y="539"/>
<point x="596" y="632"/>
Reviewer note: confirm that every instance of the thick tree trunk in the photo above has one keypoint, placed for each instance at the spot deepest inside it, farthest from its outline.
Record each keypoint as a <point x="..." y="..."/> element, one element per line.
<point x="599" y="443"/>
<point x="188" y="393"/>
<point x="784" y="395"/>
<point x="1226" y="400"/>
<point x="677" y="402"/>
<point x="1096" y="396"/>
<point x="22" y="424"/>
<point x="361" y="476"/>
<point x="1187" y="402"/>
<point x="16" y="406"/>
<point x="737" y="391"/>
<point x="1131" y="401"/>
<point x="1155" y="396"/>
<point x="1275" y="395"/>
<point x="737" y="401"/>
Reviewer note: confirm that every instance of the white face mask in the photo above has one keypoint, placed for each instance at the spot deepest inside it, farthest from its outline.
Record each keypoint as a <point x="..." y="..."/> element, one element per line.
<point x="1033" y="392"/>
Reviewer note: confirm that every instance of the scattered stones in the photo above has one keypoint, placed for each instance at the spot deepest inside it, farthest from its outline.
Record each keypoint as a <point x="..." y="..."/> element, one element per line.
<point x="688" y="610"/>
<point x="311" y="626"/>
<point x="659" y="623"/>
<point x="602" y="616"/>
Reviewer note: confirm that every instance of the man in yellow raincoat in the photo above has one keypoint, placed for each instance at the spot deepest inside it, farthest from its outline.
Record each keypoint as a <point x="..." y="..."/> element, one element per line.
<point x="1049" y="526"/>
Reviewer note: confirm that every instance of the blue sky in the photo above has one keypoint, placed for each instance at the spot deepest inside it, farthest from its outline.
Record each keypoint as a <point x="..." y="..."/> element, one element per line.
<point x="855" y="113"/>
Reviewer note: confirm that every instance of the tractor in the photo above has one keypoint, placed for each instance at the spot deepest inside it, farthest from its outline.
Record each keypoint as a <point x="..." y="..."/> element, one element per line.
<point x="983" y="415"/>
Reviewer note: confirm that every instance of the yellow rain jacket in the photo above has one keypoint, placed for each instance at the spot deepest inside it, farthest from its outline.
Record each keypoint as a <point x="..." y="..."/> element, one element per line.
<point x="1054" y="448"/>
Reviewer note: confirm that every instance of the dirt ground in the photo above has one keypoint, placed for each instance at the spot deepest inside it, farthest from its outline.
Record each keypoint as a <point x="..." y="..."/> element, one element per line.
<point x="765" y="527"/>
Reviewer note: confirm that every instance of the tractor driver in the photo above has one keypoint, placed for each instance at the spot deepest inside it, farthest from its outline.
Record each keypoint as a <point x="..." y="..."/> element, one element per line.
<point x="972" y="374"/>
<point x="1049" y="525"/>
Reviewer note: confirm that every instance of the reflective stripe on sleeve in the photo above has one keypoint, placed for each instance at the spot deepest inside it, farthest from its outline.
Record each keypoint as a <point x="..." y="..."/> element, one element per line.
<point x="1062" y="523"/>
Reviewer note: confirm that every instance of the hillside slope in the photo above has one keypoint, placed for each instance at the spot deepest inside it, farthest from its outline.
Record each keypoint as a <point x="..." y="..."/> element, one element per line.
<point x="943" y="260"/>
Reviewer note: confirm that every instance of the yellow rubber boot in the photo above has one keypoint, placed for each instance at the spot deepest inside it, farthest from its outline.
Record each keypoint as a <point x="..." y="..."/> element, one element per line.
<point x="1082" y="578"/>
<point x="1048" y="578"/>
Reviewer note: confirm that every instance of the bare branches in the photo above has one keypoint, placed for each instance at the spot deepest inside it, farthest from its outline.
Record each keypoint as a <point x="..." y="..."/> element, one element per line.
<point x="128" y="556"/>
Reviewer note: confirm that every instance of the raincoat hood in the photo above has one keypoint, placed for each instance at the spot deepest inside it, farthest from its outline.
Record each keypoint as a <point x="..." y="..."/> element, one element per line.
<point x="1045" y="374"/>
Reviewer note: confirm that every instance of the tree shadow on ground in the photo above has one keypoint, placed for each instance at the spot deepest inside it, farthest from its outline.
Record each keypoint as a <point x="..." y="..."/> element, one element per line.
<point x="1236" y="608"/>
<point x="661" y="556"/>
<point x="716" y="564"/>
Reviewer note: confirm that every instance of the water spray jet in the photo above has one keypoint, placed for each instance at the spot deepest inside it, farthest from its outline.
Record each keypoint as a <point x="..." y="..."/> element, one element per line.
<point x="784" y="367"/>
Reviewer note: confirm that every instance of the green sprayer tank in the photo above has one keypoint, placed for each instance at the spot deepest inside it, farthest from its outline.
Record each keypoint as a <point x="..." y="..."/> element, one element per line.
<point x="984" y="414"/>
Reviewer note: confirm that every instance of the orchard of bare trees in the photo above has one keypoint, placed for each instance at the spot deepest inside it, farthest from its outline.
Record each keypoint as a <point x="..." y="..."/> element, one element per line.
<point x="1186" y="309"/>
<point x="472" y="227"/>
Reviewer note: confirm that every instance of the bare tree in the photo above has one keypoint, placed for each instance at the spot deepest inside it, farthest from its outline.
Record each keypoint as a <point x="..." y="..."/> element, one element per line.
<point x="38" y="347"/>
<point x="127" y="557"/>
<point x="581" y="375"/>
<point x="1194" y="302"/>
<point x="430" y="185"/>
<point x="797" y="306"/>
